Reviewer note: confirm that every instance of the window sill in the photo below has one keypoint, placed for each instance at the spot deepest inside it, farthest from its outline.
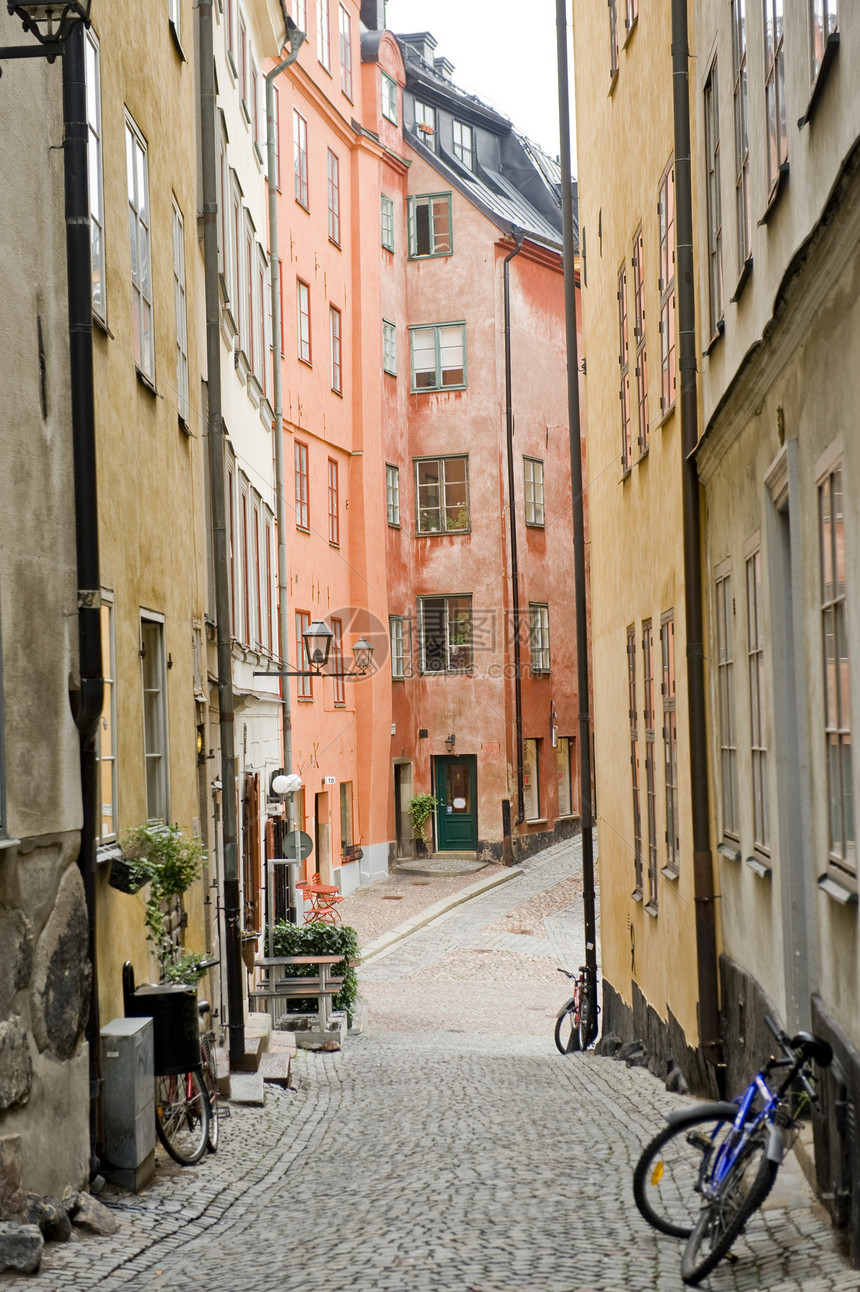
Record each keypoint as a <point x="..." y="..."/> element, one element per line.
<point x="729" y="850"/>
<point x="541" y="672"/>
<point x="759" y="866"/>
<point x="637" y="894"/>
<point x="650" y="909"/>
<point x="334" y="242"/>
<point x="394" y="524"/>
<point x="436" y="390"/>
<point x="776" y="193"/>
<point x="306" y="362"/>
<point x="629" y="31"/>
<point x="258" y="153"/>
<point x="6" y="842"/>
<point x="100" y="325"/>
<point x="441" y="533"/>
<point x="389" y="372"/>
<point x="669" y="872"/>
<point x="837" y="890"/>
<point x="243" y="103"/>
<point x="303" y="205"/>
<point x="335" y="391"/>
<point x="665" y="414"/>
<point x="831" y="49"/>
<point x="305" y="699"/>
<point x="626" y="473"/>
<point x="537" y="820"/>
<point x="613" y="79"/>
<point x="535" y="524"/>
<point x="743" y="279"/>
<point x="145" y="381"/>
<point x="716" y="336"/>
<point x="303" y="529"/>
<point x="231" y="63"/>
<point x="643" y="453"/>
<point x="177" y="42"/>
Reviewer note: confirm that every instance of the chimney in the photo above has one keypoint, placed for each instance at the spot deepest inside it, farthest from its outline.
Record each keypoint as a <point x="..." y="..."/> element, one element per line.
<point x="373" y="14"/>
<point x="443" y="68"/>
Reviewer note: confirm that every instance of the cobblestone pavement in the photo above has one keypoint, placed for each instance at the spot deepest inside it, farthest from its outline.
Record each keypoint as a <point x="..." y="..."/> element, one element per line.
<point x="448" y="1149"/>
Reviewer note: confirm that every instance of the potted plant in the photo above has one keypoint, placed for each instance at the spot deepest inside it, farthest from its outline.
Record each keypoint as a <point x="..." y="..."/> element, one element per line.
<point x="170" y="862"/>
<point x="421" y="807"/>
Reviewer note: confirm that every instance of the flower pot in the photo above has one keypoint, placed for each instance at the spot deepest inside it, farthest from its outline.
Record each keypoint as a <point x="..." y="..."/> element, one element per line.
<point x="249" y="950"/>
<point x="125" y="877"/>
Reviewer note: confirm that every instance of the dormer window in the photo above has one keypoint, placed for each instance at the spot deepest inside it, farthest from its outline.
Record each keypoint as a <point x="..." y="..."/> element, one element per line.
<point x="425" y="124"/>
<point x="464" y="144"/>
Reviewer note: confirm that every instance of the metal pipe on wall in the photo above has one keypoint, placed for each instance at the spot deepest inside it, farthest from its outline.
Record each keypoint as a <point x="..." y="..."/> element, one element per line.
<point x="517" y="236"/>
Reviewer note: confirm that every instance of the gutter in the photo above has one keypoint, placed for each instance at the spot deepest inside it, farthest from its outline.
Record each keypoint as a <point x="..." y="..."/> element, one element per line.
<point x="517" y="236"/>
<point x="703" y="870"/>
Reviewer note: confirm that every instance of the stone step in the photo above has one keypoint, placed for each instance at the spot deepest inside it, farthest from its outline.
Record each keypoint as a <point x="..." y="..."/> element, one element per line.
<point x="254" y="1050"/>
<point x="275" y="1067"/>
<point x="222" y="1072"/>
<point x="247" y="1088"/>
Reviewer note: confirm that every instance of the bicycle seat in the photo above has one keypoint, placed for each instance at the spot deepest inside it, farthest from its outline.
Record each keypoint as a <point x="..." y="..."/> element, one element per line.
<point x="203" y="1007"/>
<point x="813" y="1047"/>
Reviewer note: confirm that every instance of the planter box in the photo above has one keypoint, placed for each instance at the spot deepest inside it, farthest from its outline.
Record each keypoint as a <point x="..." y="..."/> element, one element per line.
<point x="124" y="877"/>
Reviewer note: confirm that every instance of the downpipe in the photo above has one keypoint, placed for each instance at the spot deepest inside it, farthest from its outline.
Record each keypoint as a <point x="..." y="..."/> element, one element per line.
<point x="517" y="235"/>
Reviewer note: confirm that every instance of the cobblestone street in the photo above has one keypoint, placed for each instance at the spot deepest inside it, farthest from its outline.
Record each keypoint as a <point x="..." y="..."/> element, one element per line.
<point x="449" y="1148"/>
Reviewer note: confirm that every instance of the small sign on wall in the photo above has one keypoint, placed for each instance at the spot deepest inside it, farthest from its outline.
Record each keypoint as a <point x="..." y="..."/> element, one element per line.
<point x="328" y="780"/>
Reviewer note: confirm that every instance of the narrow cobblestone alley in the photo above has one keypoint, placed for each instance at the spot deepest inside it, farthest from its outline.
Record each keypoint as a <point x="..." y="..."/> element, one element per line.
<point x="449" y="1148"/>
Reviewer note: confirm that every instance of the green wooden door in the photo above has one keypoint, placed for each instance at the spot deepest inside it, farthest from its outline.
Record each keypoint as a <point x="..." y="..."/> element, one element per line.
<point x="457" y="811"/>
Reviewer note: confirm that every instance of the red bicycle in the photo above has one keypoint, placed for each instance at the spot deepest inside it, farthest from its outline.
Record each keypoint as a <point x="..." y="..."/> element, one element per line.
<point x="576" y="1024"/>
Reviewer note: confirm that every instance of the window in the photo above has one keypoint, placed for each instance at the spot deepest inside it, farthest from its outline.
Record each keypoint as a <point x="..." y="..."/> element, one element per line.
<point x="300" y="14"/>
<point x="302" y="501"/>
<point x="539" y="637"/>
<point x="346" y="831"/>
<point x="333" y="197"/>
<point x="774" y="92"/>
<point x="304" y="685"/>
<point x="429" y="220"/>
<point x="106" y="743"/>
<point x="442" y="494"/>
<point x="446" y="634"/>
<point x="228" y="34"/>
<point x="181" y="320"/>
<point x="337" y="659"/>
<point x="639" y="334"/>
<point x="565" y="788"/>
<point x="389" y="348"/>
<point x="425" y="124"/>
<point x="324" y="34"/>
<point x="464" y="144"/>
<point x="531" y="780"/>
<point x="392" y="494"/>
<point x="666" y="213"/>
<point x="613" y="38"/>
<point x="264" y="321"/>
<point x="758" y="737"/>
<point x="300" y="157"/>
<point x="400" y="633"/>
<point x="670" y="742"/>
<point x="303" y="307"/>
<point x="712" y="195"/>
<point x="633" y="711"/>
<point x="231" y="537"/>
<point x="257" y="575"/>
<point x="95" y="172"/>
<point x="726" y="703"/>
<point x="259" y="141"/>
<point x="624" y="364"/>
<point x="334" y="333"/>
<point x="243" y="66"/>
<point x="345" y="52"/>
<point x="246" y="561"/>
<point x="650" y="773"/>
<point x="333" y="505"/>
<point x="389" y="97"/>
<point x="386" y="217"/>
<point x="438" y="356"/>
<point x="268" y="586"/>
<point x="173" y="13"/>
<point x="631" y="13"/>
<point x="743" y="210"/>
<point x="533" y="473"/>
<point x="825" y="22"/>
<point x="137" y="171"/>
<point x="154" y="678"/>
<point x="837" y="675"/>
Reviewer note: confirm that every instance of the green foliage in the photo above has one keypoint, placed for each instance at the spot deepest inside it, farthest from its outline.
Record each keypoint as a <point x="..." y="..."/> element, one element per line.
<point x="320" y="939"/>
<point x="185" y="970"/>
<point x="169" y="862"/>
<point x="421" y="808"/>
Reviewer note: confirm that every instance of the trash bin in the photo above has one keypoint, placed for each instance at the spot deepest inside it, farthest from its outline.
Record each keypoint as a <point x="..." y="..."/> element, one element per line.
<point x="173" y="1010"/>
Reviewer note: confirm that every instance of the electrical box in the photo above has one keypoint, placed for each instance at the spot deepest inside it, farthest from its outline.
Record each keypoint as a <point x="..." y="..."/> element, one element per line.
<point x="128" y="1101"/>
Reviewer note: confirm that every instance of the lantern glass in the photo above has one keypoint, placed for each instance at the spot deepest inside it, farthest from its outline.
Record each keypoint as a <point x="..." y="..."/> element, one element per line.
<point x="363" y="654"/>
<point x="318" y="638"/>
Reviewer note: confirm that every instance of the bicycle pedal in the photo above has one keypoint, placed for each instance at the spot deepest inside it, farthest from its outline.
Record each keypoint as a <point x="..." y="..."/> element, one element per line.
<point x="223" y="1114"/>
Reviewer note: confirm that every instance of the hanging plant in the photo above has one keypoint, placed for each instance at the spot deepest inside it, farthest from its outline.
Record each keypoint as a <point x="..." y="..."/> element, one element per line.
<point x="170" y="862"/>
<point x="421" y="807"/>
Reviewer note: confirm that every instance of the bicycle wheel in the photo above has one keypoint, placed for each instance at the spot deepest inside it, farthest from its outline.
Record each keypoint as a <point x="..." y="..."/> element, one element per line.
<point x="567" y="1028"/>
<point x="668" y="1175"/>
<point x="587" y="1019"/>
<point x="210" y="1085"/>
<point x="182" y="1116"/>
<point x="747" y="1183"/>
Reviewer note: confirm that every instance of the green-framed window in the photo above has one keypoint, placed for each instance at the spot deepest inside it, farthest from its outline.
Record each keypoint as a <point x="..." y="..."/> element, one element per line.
<point x="438" y="356"/>
<point x="431" y="231"/>
<point x="442" y="495"/>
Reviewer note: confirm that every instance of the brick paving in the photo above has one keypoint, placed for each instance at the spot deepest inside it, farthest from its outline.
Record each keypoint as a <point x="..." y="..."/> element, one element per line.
<point x="447" y="1149"/>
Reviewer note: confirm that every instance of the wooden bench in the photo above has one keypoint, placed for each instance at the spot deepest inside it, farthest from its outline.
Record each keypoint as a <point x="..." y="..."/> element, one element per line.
<point x="279" y="988"/>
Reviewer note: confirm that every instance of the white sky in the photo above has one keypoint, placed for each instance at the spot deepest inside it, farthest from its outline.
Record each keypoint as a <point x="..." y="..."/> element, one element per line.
<point x="505" y="52"/>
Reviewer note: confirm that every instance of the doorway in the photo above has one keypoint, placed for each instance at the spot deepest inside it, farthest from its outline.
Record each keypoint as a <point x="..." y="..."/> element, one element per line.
<point x="457" y="811"/>
<point x="402" y="820"/>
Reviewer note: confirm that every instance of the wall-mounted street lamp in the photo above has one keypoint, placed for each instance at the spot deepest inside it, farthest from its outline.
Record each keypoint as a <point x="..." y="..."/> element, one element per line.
<point x="318" y="638"/>
<point x="450" y="741"/>
<point x="52" y="24"/>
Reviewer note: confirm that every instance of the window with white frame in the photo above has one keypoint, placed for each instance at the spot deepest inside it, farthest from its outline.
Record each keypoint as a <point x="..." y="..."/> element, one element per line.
<point x="429" y="225"/>
<point x="539" y="637"/>
<point x="464" y="144"/>
<point x="345" y="21"/>
<point x="726" y="701"/>
<point x="837" y="675"/>
<point x="613" y="38"/>
<point x="392" y="494"/>
<point x="95" y="173"/>
<point x="324" y="34"/>
<point x="389" y="97"/>
<point x="106" y="744"/>
<point x="333" y="504"/>
<point x="304" y="685"/>
<point x="229" y="33"/>
<point x="442" y="494"/>
<point x="758" y="732"/>
<point x="334" y="332"/>
<point x="181" y="314"/>
<point x="666" y="215"/>
<point x="243" y="66"/>
<point x="713" y="201"/>
<point x="565" y="787"/>
<point x="223" y="212"/>
<point x="333" y="197"/>
<point x="824" y="22"/>
<point x="400" y="633"/>
<point x="774" y="92"/>
<point x="303" y="313"/>
<point x="740" y="102"/>
<point x="137" y="172"/>
<point x="302" y="487"/>
<point x="425" y="123"/>
<point x="438" y="356"/>
<point x="649" y="715"/>
<point x="259" y="141"/>
<point x="446" y="634"/>
<point x="300" y="14"/>
<point x="386" y="220"/>
<point x="300" y="158"/>
<point x="174" y="8"/>
<point x="268" y="585"/>
<point x="277" y="124"/>
<point x="337" y="660"/>
<point x="533" y="491"/>
<point x="389" y="348"/>
<point x="670" y="742"/>
<point x="624" y="364"/>
<point x="264" y="320"/>
<point x="633" y="709"/>
<point x="639" y="334"/>
<point x="631" y="13"/>
<point x="154" y="680"/>
<point x="531" y="779"/>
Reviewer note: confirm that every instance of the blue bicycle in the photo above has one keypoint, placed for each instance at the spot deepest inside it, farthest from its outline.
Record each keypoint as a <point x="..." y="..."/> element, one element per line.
<point x="713" y="1166"/>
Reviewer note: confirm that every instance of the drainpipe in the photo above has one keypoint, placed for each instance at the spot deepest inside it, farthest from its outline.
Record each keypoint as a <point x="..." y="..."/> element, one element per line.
<point x="517" y="236"/>
<point x="87" y="702"/>
<point x="577" y="505"/>
<point x="703" y="871"/>
<point x="296" y="39"/>
<point x="232" y="948"/>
